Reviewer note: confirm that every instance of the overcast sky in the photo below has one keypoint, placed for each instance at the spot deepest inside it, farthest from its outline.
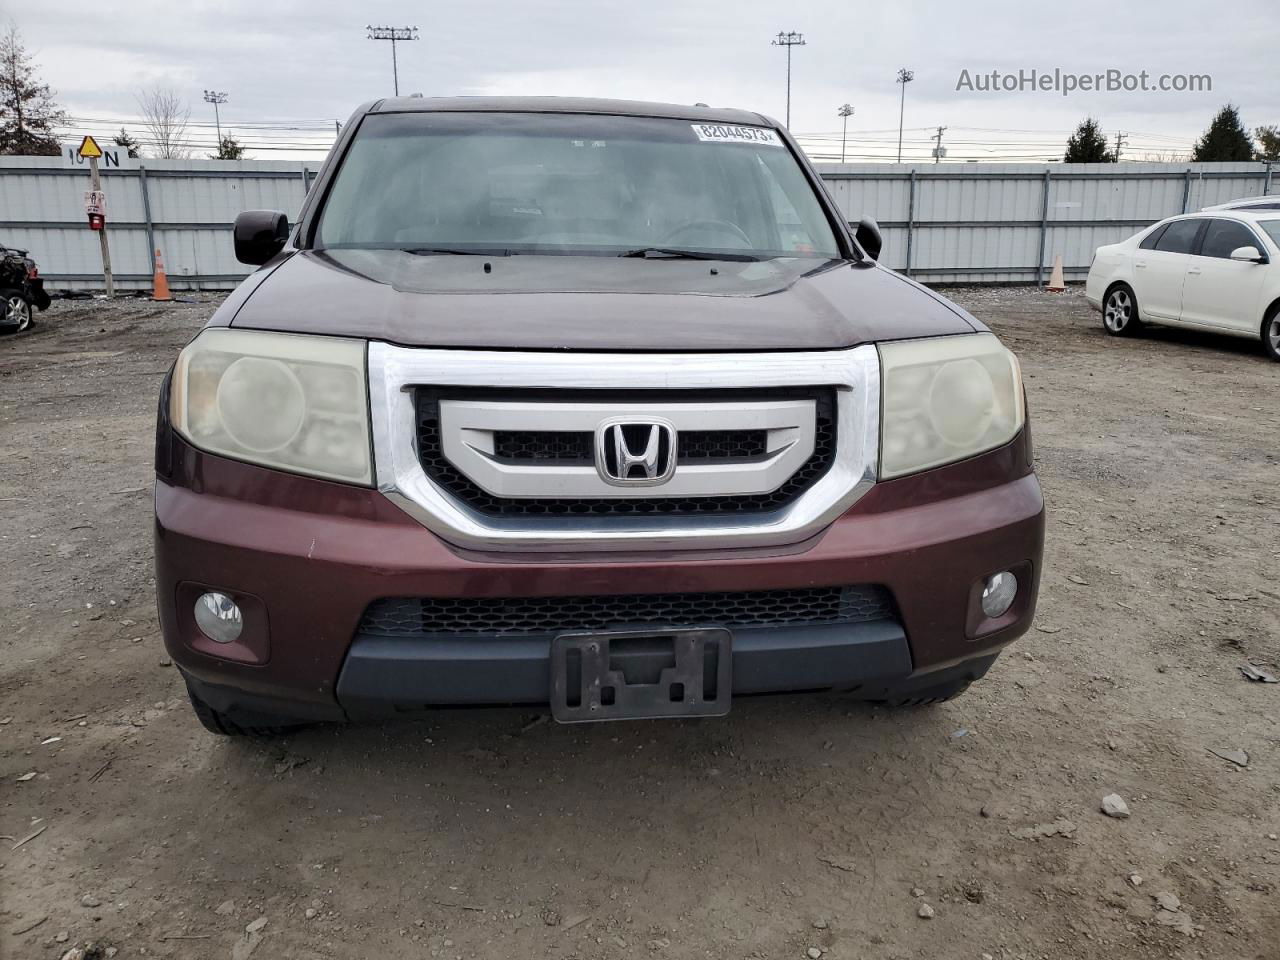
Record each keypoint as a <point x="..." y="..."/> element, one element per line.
<point x="309" y="59"/>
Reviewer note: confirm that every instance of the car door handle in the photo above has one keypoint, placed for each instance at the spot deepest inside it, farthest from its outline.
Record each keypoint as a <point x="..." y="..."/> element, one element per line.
<point x="1140" y="265"/>
<point x="1193" y="271"/>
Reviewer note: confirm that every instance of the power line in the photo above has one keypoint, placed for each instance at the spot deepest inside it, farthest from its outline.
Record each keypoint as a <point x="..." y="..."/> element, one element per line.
<point x="315" y="136"/>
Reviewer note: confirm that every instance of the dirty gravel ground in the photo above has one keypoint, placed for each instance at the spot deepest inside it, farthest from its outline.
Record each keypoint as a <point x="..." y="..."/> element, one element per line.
<point x="796" y="824"/>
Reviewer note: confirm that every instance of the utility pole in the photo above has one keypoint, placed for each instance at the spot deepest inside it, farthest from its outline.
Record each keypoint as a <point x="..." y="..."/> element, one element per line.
<point x="95" y="204"/>
<point x="789" y="40"/>
<point x="938" y="152"/>
<point x="95" y="184"/>
<point x="216" y="97"/>
<point x="1120" y="139"/>
<point x="845" y="112"/>
<point x="905" y="76"/>
<point x="393" y="34"/>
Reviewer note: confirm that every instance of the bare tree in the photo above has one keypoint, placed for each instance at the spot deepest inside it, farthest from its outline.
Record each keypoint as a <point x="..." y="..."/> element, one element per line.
<point x="1166" y="156"/>
<point x="165" y="115"/>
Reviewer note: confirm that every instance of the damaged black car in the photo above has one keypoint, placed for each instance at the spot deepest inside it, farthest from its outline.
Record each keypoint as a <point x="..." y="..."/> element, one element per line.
<point x="21" y="290"/>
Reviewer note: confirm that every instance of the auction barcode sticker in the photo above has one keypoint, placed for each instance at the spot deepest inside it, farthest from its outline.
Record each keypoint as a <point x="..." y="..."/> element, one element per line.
<point x="728" y="133"/>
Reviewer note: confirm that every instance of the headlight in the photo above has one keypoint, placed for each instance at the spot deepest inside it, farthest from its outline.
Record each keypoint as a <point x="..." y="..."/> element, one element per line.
<point x="946" y="399"/>
<point x="292" y="402"/>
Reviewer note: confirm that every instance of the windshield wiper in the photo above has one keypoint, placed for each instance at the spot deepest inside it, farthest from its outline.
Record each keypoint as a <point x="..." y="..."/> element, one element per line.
<point x="457" y="252"/>
<point x="675" y="253"/>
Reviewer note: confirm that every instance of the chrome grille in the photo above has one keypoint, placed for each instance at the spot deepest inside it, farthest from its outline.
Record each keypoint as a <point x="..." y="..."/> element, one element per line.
<point x="844" y="383"/>
<point x="561" y="447"/>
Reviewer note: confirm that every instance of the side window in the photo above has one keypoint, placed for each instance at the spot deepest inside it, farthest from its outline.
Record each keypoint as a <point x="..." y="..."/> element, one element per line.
<point x="1223" y="236"/>
<point x="1179" y="236"/>
<point x="1151" y="239"/>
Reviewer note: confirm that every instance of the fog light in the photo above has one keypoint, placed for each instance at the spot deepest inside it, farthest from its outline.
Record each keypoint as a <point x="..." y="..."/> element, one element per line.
<point x="219" y="618"/>
<point x="998" y="593"/>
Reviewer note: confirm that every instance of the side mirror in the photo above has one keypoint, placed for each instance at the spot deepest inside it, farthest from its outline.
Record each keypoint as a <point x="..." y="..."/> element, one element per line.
<point x="868" y="236"/>
<point x="260" y="235"/>
<point x="1251" y="253"/>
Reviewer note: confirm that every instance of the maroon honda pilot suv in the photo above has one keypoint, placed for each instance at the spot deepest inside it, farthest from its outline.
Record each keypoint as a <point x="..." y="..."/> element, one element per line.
<point x="586" y="404"/>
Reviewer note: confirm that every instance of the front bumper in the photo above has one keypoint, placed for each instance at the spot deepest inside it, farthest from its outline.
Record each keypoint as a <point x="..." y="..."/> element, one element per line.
<point x="305" y="557"/>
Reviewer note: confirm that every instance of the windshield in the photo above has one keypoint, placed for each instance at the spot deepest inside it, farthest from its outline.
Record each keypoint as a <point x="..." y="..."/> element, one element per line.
<point x="572" y="183"/>
<point x="1273" y="230"/>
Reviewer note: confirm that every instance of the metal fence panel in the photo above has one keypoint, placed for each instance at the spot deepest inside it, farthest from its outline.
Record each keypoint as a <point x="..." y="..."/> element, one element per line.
<point x="981" y="223"/>
<point x="184" y="208"/>
<point x="1003" y="223"/>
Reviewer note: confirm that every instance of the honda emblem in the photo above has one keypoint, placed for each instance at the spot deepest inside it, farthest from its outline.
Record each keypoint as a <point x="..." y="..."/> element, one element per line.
<point x="636" y="453"/>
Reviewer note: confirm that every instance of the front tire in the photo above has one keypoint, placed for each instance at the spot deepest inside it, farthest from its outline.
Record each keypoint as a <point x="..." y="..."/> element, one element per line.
<point x="1271" y="333"/>
<point x="17" y="309"/>
<point x="1120" y="311"/>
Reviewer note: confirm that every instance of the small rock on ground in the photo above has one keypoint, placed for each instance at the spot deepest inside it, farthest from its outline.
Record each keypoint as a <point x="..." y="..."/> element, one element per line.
<point x="1238" y="757"/>
<point x="1113" y="805"/>
<point x="925" y="912"/>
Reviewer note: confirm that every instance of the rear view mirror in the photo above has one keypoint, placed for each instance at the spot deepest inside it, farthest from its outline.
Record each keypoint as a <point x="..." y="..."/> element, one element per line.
<point x="1248" y="253"/>
<point x="260" y="235"/>
<point x="868" y="237"/>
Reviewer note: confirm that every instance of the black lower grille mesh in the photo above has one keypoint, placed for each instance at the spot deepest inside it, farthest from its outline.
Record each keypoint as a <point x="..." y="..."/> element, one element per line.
<point x="506" y="616"/>
<point x="529" y="446"/>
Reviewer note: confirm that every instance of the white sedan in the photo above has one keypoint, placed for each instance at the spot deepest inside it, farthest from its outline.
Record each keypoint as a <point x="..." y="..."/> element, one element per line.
<point x="1215" y="270"/>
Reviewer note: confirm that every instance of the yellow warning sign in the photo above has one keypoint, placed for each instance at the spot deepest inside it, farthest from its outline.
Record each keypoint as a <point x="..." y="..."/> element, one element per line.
<point x="89" y="149"/>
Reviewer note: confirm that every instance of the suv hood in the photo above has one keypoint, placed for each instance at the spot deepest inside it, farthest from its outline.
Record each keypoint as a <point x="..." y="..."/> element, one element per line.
<point x="590" y="303"/>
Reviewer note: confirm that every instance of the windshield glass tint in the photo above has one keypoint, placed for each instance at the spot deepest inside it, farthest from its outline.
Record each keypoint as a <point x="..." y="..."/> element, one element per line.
<point x="571" y="183"/>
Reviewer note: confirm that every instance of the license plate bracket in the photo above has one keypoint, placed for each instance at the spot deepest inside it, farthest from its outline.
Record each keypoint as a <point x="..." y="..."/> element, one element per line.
<point x="683" y="673"/>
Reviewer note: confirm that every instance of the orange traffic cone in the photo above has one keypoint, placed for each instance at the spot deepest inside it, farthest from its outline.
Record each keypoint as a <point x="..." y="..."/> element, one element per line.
<point x="1056" y="283"/>
<point x="160" y="283"/>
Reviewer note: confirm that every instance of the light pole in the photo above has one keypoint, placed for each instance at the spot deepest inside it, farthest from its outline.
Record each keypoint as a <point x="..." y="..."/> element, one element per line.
<point x="393" y="34"/>
<point x="846" y="112"/>
<point x="216" y="97"/>
<point x="789" y="40"/>
<point x="905" y="76"/>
